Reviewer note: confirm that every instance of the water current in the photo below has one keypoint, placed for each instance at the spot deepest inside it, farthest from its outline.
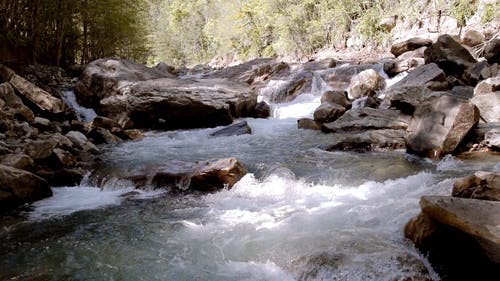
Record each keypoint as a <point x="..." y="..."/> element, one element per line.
<point x="301" y="213"/>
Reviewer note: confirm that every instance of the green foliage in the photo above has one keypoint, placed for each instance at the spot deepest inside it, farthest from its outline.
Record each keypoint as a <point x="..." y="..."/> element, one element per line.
<point x="491" y="11"/>
<point x="463" y="10"/>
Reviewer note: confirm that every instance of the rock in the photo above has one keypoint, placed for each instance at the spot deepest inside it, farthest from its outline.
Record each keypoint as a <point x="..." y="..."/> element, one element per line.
<point x="63" y="177"/>
<point x="488" y="105"/>
<point x="463" y="92"/>
<point x="481" y="185"/>
<point x="262" y="110"/>
<point x="339" y="78"/>
<point x="472" y="37"/>
<point x="18" y="161"/>
<point x="368" y="119"/>
<point x="241" y="128"/>
<point x="165" y="68"/>
<point x="370" y="140"/>
<point x="134" y="134"/>
<point x="422" y="76"/>
<point x="449" y="55"/>
<point x="63" y="158"/>
<point x="478" y="71"/>
<point x="492" y="51"/>
<point x="409" y="45"/>
<point x="419" y="229"/>
<point x="102" y="135"/>
<point x="337" y="97"/>
<point x="106" y="123"/>
<point x="205" y="175"/>
<point x="41" y="123"/>
<point x="81" y="141"/>
<point x="402" y="64"/>
<point x="18" y="187"/>
<point x="251" y="72"/>
<point x="492" y="139"/>
<point x="15" y="103"/>
<point x="30" y="91"/>
<point x="477" y="218"/>
<point x="439" y="125"/>
<point x="413" y="54"/>
<point x="23" y="131"/>
<point x="487" y="86"/>
<point x="365" y="102"/>
<point x="180" y="104"/>
<point x="328" y="112"/>
<point x="366" y="83"/>
<point x="40" y="150"/>
<point x="407" y="98"/>
<point x="308" y="124"/>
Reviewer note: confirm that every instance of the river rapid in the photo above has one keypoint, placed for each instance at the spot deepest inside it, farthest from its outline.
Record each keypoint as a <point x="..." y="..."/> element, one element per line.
<point x="301" y="213"/>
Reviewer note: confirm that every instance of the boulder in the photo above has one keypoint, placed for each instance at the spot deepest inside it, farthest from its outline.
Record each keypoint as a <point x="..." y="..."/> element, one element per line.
<point x="18" y="187"/>
<point x="262" y="110"/>
<point x="487" y="86"/>
<point x="63" y="177"/>
<point x="18" y="161"/>
<point x="408" y="45"/>
<point x="204" y="175"/>
<point x="328" y="112"/>
<point x="492" y="139"/>
<point x="40" y="150"/>
<point x="407" y="98"/>
<point x="366" y="83"/>
<point x="388" y="23"/>
<point x="399" y="65"/>
<point x="481" y="185"/>
<point x="337" y="97"/>
<point x="463" y="92"/>
<point x="472" y="37"/>
<point x="102" y="135"/>
<point x="106" y="123"/>
<point x="15" y="103"/>
<point x="370" y="140"/>
<point x="439" y="125"/>
<point x="488" y="105"/>
<point x="477" y="218"/>
<point x="81" y="141"/>
<point x="366" y="102"/>
<point x="134" y="134"/>
<point x="449" y="55"/>
<point x="251" y="72"/>
<point x="63" y="158"/>
<point x="339" y="78"/>
<point x="422" y="76"/>
<point x="308" y="124"/>
<point x="241" y="128"/>
<point x="368" y="119"/>
<point x="492" y="51"/>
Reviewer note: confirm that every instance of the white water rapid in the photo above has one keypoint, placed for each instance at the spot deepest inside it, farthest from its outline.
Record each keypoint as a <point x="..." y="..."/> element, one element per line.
<point x="82" y="113"/>
<point x="340" y="217"/>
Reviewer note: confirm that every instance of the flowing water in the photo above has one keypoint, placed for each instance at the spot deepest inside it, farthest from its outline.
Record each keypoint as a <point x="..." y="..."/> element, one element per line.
<point x="300" y="214"/>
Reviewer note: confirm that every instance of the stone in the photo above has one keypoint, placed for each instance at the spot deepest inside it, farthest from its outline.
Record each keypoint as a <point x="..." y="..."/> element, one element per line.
<point x="106" y="123"/>
<point x="368" y="119"/>
<point x="487" y="86"/>
<point x="449" y="55"/>
<point x="388" y="23"/>
<point x="81" y="141"/>
<point x="241" y="128"/>
<point x="337" y="97"/>
<point x="262" y="110"/>
<point x="422" y="76"/>
<point x="481" y="185"/>
<point x="407" y="98"/>
<point x="439" y="125"/>
<point x="101" y="135"/>
<point x="63" y="177"/>
<point x="471" y="37"/>
<point x="366" y="83"/>
<point x="366" y="102"/>
<point x="41" y="123"/>
<point x="400" y="65"/>
<point x="328" y="112"/>
<point x="419" y="229"/>
<point x="15" y="103"/>
<point x="488" y="105"/>
<point x="134" y="134"/>
<point x="64" y="158"/>
<point x="409" y="45"/>
<point x="18" y="187"/>
<point x="308" y="124"/>
<point x="463" y="92"/>
<point x="477" y="218"/>
<point x="492" y="51"/>
<point x="369" y="140"/>
<point x="492" y="139"/>
<point x="40" y="150"/>
<point x="478" y="71"/>
<point x="18" y="161"/>
<point x="339" y="78"/>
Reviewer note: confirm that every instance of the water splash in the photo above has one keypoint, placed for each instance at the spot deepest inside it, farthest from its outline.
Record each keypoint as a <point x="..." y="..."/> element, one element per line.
<point x="82" y="113"/>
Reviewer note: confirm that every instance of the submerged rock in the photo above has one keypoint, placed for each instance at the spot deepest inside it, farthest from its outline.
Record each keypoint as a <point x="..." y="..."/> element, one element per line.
<point x="237" y="129"/>
<point x="308" y="124"/>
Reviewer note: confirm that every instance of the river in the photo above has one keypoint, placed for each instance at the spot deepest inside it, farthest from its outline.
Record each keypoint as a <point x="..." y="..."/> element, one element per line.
<point x="301" y="213"/>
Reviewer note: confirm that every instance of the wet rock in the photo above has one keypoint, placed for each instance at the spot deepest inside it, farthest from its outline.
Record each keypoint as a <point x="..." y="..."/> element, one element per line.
<point x="106" y="123"/>
<point x="101" y="135"/>
<point x="308" y="124"/>
<point x="134" y="134"/>
<point x="15" y="103"/>
<point x="489" y="106"/>
<point x="81" y="141"/>
<point x="487" y="86"/>
<point x="370" y="140"/>
<point x="328" y="112"/>
<point x="449" y="55"/>
<point x="423" y="75"/>
<point x="477" y="218"/>
<point x="368" y="119"/>
<point x="419" y="229"/>
<point x="18" y="187"/>
<point x="339" y="78"/>
<point x="471" y="37"/>
<point x="18" y="161"/>
<point x="481" y="185"/>
<point x="63" y="158"/>
<point x="205" y="176"/>
<point x="492" y="51"/>
<point x="409" y="45"/>
<point x="241" y="128"/>
<point x="40" y="150"/>
<point x="165" y="68"/>
<point x="337" y="97"/>
<point x="366" y="83"/>
<point x="316" y="266"/>
<point x="439" y="125"/>
<point x="262" y="110"/>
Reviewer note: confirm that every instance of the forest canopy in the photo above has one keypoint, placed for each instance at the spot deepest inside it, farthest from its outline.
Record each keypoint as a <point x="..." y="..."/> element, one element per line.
<point x="181" y="32"/>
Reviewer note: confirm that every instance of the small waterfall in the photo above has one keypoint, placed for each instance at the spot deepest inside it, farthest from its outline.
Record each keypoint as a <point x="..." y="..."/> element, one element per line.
<point x="82" y="113"/>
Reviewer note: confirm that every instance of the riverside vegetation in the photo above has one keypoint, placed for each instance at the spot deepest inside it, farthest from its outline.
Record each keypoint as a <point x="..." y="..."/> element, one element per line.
<point x="432" y="95"/>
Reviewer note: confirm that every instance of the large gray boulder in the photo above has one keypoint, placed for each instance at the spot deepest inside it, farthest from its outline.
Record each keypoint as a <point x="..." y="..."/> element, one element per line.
<point x="366" y="83"/>
<point x="425" y="75"/>
<point x="488" y="105"/>
<point x="368" y="119"/>
<point x="370" y="140"/>
<point x="439" y="125"/>
<point x="18" y="187"/>
<point x="328" y="112"/>
<point x="482" y="185"/>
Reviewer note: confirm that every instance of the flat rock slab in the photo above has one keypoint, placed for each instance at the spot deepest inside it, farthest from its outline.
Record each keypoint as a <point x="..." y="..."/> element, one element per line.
<point x="368" y="119"/>
<point x="421" y="76"/>
<point x="371" y="140"/>
<point x="478" y="218"/>
<point x="241" y="128"/>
